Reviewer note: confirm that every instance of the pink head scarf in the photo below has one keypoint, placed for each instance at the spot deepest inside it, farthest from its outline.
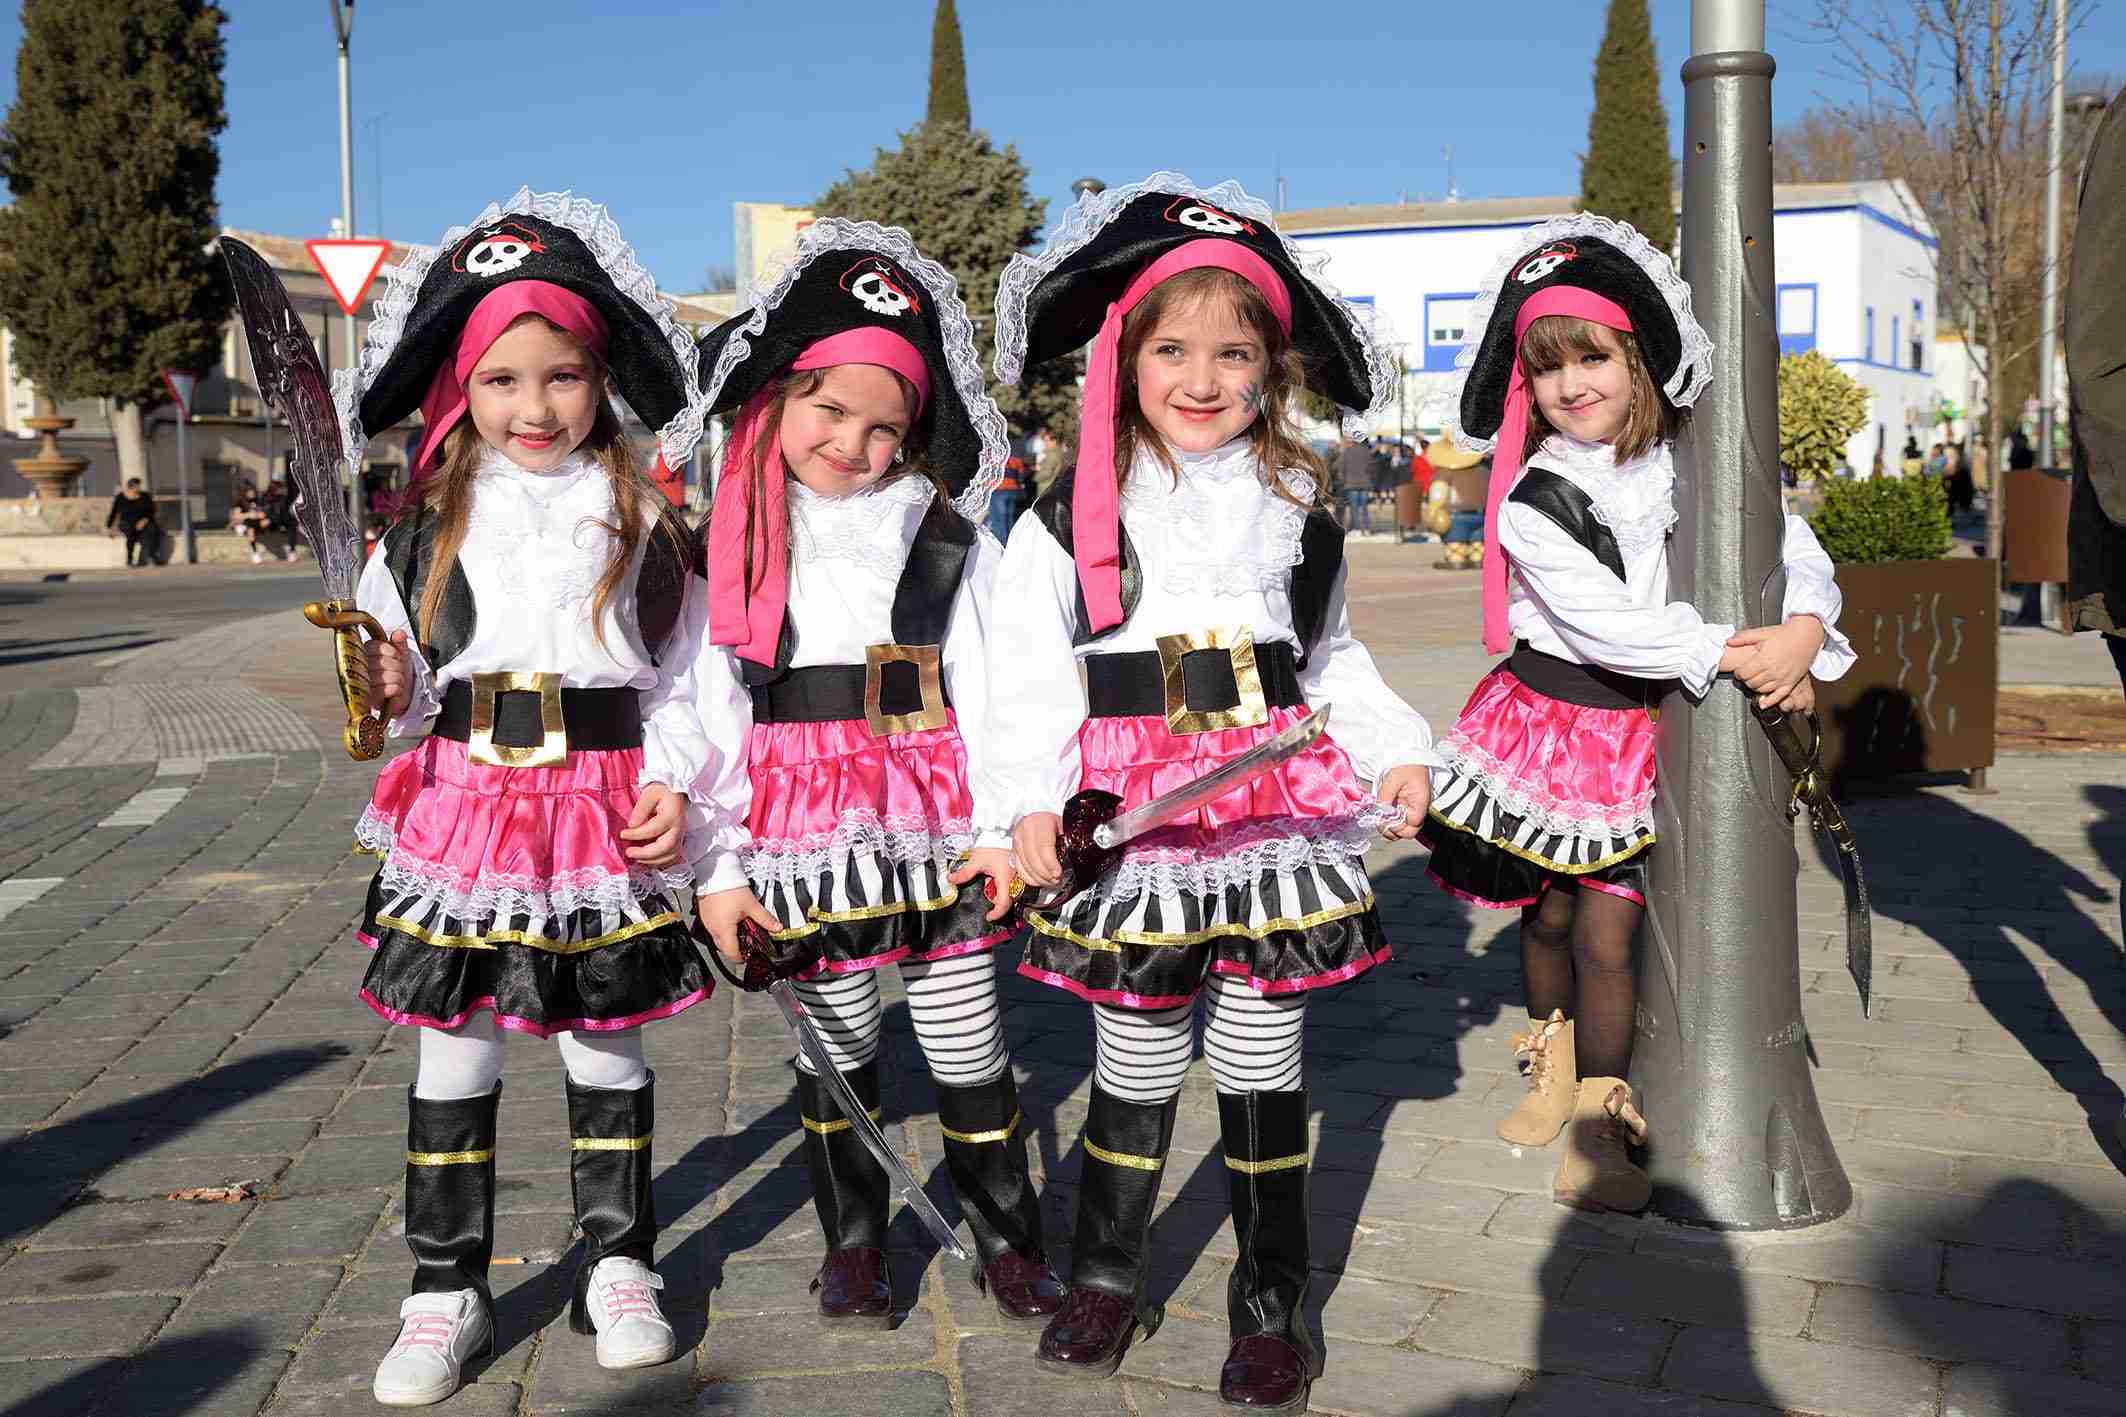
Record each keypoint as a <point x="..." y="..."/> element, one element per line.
<point x="1513" y="432"/>
<point x="1095" y="527"/>
<point x="750" y="617"/>
<point x="445" y="404"/>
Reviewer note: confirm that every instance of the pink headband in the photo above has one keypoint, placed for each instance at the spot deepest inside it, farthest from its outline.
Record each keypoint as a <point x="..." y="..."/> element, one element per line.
<point x="1095" y="529"/>
<point x="1513" y="432"/>
<point x="444" y="404"/>
<point x="750" y="617"/>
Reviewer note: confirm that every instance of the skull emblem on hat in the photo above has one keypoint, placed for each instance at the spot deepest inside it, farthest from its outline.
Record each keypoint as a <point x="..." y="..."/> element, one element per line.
<point x="873" y="284"/>
<point x="1543" y="262"/>
<point x="1202" y="216"/>
<point x="497" y="250"/>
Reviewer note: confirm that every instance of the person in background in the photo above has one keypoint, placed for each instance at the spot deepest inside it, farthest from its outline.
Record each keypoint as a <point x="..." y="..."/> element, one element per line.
<point x="1354" y="474"/>
<point x="133" y="516"/>
<point x="278" y="509"/>
<point x="1910" y="464"/>
<point x="1937" y="460"/>
<point x="246" y="516"/>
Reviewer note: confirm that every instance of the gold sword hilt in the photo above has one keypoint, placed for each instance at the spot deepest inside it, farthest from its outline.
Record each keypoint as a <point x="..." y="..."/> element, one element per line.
<point x="364" y="735"/>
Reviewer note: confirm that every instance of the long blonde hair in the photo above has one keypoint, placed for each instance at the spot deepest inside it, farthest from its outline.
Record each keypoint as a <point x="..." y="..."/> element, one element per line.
<point x="446" y="494"/>
<point x="1552" y="341"/>
<point x="1277" y="445"/>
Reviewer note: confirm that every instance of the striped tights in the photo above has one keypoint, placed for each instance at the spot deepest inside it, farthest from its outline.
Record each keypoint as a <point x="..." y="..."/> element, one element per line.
<point x="952" y="1003"/>
<point x="1253" y="1043"/>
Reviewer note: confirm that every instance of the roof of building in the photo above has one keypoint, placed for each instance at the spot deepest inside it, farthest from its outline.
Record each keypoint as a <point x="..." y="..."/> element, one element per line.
<point x="286" y="253"/>
<point x="1891" y="196"/>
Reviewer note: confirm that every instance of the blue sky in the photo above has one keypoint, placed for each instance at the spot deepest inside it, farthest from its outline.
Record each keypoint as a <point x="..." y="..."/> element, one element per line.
<point x="669" y="111"/>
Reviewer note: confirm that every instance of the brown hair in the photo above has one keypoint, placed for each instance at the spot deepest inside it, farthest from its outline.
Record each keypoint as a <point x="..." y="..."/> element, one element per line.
<point x="447" y="495"/>
<point x="1552" y="340"/>
<point x="803" y="384"/>
<point x="1278" y="448"/>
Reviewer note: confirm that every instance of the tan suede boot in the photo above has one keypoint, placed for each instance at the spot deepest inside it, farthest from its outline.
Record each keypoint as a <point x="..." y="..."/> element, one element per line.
<point x="1596" y="1173"/>
<point x="1545" y="1058"/>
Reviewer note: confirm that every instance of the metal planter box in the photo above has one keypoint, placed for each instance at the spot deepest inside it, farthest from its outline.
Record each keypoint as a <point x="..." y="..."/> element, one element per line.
<point x="1924" y="694"/>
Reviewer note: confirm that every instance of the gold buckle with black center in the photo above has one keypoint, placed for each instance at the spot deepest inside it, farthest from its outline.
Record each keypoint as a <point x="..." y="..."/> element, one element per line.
<point x="926" y="661"/>
<point x="480" y="745"/>
<point x="1239" y="646"/>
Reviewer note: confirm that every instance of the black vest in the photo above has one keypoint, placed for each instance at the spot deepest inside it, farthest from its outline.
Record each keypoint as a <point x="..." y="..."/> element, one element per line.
<point x="408" y="550"/>
<point x="922" y="599"/>
<point x="1321" y="543"/>
<point x="1572" y="509"/>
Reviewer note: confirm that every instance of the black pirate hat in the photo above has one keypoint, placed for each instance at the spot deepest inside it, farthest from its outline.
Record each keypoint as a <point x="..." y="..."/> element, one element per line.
<point x="1585" y="252"/>
<point x="1053" y="302"/>
<point x="546" y="236"/>
<point x="846" y="275"/>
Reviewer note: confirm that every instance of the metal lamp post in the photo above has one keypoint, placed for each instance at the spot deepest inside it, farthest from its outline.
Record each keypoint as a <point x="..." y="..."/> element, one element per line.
<point x="343" y="30"/>
<point x="1721" y="1054"/>
<point x="2048" y="329"/>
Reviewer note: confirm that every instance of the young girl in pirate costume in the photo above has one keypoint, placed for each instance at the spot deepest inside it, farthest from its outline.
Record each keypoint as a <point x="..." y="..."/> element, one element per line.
<point x="1588" y="357"/>
<point x="1185" y="566"/>
<point x="845" y="657"/>
<point x="535" y="593"/>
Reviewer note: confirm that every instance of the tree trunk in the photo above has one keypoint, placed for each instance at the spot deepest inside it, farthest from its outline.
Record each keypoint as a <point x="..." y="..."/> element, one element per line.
<point x="132" y="443"/>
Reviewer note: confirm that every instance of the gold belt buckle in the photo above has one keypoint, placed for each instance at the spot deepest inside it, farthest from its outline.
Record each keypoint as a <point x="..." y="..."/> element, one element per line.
<point x="1238" y="642"/>
<point x="480" y="745"/>
<point x="926" y="661"/>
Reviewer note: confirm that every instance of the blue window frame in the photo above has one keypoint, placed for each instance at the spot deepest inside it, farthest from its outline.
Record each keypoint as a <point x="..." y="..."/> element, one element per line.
<point x="1447" y="328"/>
<point x="1796" y="315"/>
<point x="1897" y="332"/>
<point x="1919" y="336"/>
<point x="1869" y="352"/>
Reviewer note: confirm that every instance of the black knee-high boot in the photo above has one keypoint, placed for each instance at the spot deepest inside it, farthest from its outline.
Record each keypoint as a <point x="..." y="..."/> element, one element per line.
<point x="450" y="1193"/>
<point x="1273" y="1359"/>
<point x="609" y="1174"/>
<point x="985" y="1153"/>
<point x="850" y="1191"/>
<point x="1125" y="1153"/>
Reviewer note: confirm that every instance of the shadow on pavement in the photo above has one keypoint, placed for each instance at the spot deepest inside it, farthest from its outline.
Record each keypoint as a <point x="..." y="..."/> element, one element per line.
<point x="42" y="1172"/>
<point x="169" y="1379"/>
<point x="2026" y="885"/>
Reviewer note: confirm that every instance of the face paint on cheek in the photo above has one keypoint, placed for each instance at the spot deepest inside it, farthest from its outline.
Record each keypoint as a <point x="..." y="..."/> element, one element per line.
<point x="1255" y="399"/>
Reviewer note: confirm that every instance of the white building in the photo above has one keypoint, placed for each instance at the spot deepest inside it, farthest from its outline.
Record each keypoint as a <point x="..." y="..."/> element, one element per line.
<point x="1854" y="264"/>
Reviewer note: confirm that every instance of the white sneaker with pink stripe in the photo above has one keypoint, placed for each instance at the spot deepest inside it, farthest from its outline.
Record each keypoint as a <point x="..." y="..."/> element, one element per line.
<point x="632" y="1330"/>
<point x="438" y="1335"/>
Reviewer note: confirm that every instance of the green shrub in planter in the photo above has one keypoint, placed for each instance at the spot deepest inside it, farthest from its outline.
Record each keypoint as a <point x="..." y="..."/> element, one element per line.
<point x="1820" y="407"/>
<point x="1867" y="520"/>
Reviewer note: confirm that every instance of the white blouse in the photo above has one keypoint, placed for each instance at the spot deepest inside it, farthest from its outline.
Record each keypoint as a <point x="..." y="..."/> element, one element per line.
<point x="535" y="546"/>
<point x="846" y="557"/>
<point x="1564" y="602"/>
<point x="1216" y="548"/>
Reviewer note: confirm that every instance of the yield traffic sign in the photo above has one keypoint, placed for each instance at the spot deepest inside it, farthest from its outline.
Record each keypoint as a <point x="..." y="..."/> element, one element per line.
<point x="348" y="266"/>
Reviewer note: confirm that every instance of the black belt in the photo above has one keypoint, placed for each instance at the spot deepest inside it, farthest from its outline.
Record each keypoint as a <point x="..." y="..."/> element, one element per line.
<point x="1584" y="684"/>
<point x="1196" y="685"/>
<point x="899" y="689"/>
<point x="592" y="719"/>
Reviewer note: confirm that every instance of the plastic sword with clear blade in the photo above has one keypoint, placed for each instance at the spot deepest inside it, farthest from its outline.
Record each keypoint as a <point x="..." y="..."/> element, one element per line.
<point x="1813" y="792"/>
<point x="291" y="379"/>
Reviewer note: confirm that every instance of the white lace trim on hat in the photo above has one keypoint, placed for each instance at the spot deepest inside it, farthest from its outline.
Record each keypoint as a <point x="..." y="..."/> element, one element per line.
<point x="1094" y="210"/>
<point x="961" y="358"/>
<point x="588" y="220"/>
<point x="1694" y="370"/>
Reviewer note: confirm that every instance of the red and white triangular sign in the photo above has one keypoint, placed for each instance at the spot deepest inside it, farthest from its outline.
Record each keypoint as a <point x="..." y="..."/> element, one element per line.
<point x="348" y="265"/>
<point x="181" y="383"/>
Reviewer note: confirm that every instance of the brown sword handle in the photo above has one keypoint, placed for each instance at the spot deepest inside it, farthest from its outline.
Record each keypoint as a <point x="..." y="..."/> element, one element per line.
<point x="364" y="734"/>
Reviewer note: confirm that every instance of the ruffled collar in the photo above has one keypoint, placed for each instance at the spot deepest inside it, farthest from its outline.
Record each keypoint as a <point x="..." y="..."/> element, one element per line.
<point x="545" y="487"/>
<point x="868" y="529"/>
<point x="1202" y="535"/>
<point x="1635" y="499"/>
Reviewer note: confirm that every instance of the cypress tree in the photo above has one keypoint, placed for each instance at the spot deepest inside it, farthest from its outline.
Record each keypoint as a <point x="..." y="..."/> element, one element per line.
<point x="948" y="70"/>
<point x="966" y="202"/>
<point x="109" y="151"/>
<point x="1625" y="174"/>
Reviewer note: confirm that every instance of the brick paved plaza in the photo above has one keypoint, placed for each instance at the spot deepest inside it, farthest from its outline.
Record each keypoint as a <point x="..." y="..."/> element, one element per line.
<point x="177" y="976"/>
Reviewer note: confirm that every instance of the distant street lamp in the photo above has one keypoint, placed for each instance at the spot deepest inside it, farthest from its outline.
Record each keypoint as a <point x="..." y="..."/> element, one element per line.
<point x="1084" y="185"/>
<point x="343" y="30"/>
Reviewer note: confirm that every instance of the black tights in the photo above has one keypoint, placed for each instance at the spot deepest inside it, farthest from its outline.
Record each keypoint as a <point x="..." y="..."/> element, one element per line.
<point x="1576" y="955"/>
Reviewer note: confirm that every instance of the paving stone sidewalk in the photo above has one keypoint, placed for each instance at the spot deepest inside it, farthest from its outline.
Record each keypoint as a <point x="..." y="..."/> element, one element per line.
<point x="177" y="982"/>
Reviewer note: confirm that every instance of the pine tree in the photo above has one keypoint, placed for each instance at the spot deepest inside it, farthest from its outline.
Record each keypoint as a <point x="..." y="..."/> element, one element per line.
<point x="1625" y="174"/>
<point x="109" y="150"/>
<point x="965" y="201"/>
<point x="948" y="70"/>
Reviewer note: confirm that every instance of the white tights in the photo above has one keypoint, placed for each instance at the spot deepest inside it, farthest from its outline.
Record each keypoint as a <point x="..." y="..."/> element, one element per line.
<point x="467" y="1061"/>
